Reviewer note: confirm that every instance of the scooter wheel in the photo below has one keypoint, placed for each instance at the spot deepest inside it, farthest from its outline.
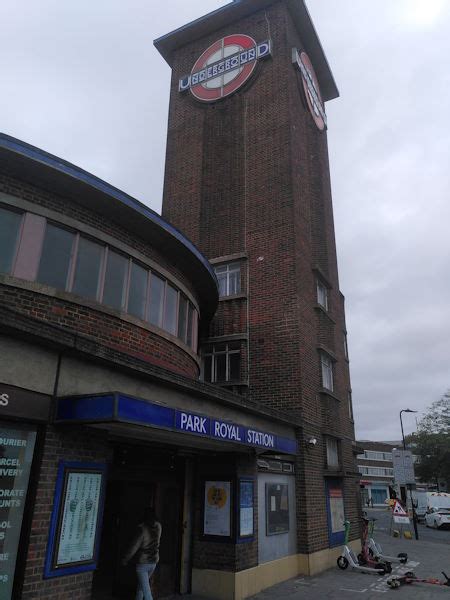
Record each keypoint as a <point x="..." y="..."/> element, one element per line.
<point x="388" y="567"/>
<point x="409" y="575"/>
<point x="361" y="559"/>
<point x="391" y="583"/>
<point x="342" y="563"/>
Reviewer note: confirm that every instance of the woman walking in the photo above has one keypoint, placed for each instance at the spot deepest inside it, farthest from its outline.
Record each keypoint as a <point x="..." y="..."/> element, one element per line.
<point x="145" y="549"/>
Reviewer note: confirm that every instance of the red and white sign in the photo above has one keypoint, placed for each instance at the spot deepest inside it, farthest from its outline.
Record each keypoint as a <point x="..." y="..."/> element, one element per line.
<point x="311" y="88"/>
<point x="398" y="509"/>
<point x="224" y="67"/>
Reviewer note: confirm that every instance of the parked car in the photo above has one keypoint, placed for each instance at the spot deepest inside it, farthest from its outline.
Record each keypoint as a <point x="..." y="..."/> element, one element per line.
<point x="420" y="503"/>
<point x="438" y="510"/>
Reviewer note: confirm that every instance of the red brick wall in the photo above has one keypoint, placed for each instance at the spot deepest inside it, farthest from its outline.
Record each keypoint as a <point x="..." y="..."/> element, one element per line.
<point x="250" y="174"/>
<point x="66" y="445"/>
<point x="106" y="329"/>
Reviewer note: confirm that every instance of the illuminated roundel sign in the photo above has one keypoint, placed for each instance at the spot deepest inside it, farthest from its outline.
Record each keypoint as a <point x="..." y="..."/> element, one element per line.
<point x="311" y="88"/>
<point x="224" y="67"/>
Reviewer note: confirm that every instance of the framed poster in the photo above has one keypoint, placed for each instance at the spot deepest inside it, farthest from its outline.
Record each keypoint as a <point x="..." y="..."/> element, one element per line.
<point x="77" y="514"/>
<point x="277" y="508"/>
<point x="335" y="511"/>
<point x="217" y="508"/>
<point x="17" y="443"/>
<point x="245" y="507"/>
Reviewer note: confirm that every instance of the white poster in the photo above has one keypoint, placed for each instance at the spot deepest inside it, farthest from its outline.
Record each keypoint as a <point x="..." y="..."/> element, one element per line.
<point x="79" y="518"/>
<point x="217" y="519"/>
<point x="337" y="510"/>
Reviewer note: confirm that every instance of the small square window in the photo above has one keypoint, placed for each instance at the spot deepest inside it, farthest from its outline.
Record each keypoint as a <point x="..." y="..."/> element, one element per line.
<point x="221" y="362"/>
<point x="322" y="295"/>
<point x="229" y="278"/>
<point x="327" y="371"/>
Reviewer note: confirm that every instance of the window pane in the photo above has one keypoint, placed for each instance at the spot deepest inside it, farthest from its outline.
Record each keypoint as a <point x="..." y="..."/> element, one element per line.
<point x="114" y="287"/>
<point x="56" y="256"/>
<point x="9" y="231"/>
<point x="221" y="367"/>
<point x="235" y="364"/>
<point x="137" y="294"/>
<point x="170" y="312"/>
<point x="234" y="282"/>
<point x="89" y="257"/>
<point x="189" y="338"/>
<point x="332" y="452"/>
<point x="327" y="373"/>
<point x="156" y="300"/>
<point x="322" y="295"/>
<point x="182" y="317"/>
<point x="222" y="279"/>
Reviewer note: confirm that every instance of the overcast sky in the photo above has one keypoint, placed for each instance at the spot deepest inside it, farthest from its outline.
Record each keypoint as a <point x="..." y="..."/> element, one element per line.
<point x="82" y="80"/>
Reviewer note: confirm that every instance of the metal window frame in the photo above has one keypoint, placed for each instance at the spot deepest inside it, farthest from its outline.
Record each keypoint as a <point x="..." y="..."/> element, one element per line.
<point x="227" y="352"/>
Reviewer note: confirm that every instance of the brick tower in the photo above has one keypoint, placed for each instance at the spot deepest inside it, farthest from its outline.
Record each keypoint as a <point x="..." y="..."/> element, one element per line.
<point x="247" y="179"/>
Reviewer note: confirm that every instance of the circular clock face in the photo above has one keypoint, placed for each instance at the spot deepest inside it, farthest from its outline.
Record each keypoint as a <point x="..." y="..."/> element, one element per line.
<point x="312" y="90"/>
<point x="224" y="67"/>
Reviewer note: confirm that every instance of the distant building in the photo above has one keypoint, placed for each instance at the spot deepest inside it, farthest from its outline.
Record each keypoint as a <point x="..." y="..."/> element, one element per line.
<point x="377" y="473"/>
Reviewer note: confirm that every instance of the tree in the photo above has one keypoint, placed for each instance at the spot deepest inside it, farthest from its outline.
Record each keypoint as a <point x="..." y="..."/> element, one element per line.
<point x="431" y="442"/>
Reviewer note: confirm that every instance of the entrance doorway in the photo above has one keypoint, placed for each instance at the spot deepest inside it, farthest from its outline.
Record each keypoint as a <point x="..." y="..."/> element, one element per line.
<point x="140" y="477"/>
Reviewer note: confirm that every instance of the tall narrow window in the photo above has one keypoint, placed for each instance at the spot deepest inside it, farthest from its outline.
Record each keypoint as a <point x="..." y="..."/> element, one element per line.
<point x="115" y="280"/>
<point x="156" y="300"/>
<point x="137" y="294"/>
<point x="170" y="310"/>
<point x="327" y="371"/>
<point x="229" y="278"/>
<point x="9" y="232"/>
<point x="332" y="452"/>
<point x="350" y="406"/>
<point x="56" y="256"/>
<point x="222" y="362"/>
<point x="87" y="271"/>
<point x="182" y="317"/>
<point x="322" y="295"/>
<point x="190" y="325"/>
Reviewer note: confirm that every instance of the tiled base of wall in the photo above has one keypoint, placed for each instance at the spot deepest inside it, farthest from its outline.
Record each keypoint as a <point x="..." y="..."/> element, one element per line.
<point x="223" y="585"/>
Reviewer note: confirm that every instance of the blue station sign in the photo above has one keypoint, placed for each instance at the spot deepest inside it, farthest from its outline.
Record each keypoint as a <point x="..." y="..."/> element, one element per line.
<point x="115" y="407"/>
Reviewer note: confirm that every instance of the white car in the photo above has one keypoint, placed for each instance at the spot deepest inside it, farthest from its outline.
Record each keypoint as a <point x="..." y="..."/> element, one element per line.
<point x="438" y="517"/>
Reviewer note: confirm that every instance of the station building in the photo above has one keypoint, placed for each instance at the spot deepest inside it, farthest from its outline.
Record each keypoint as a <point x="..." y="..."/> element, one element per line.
<point x="196" y="362"/>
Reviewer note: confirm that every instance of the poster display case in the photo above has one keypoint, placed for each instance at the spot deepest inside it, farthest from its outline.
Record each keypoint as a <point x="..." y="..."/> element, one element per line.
<point x="217" y="508"/>
<point x="76" y="519"/>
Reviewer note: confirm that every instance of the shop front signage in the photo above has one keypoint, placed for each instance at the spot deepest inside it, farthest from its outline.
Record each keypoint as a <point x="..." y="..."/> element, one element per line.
<point x="126" y="409"/>
<point x="311" y="88"/>
<point x="224" y="67"/>
<point x="20" y="403"/>
<point x="16" y="456"/>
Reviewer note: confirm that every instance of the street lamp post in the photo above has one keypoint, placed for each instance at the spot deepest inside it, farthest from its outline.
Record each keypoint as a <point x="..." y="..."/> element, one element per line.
<point x="409" y="485"/>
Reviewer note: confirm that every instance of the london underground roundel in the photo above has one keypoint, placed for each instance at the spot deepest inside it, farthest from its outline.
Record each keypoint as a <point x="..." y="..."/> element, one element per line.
<point x="311" y="88"/>
<point x="224" y="67"/>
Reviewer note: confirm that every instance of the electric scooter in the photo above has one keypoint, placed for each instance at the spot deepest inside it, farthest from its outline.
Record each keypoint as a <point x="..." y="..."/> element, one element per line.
<point x="376" y="552"/>
<point x="410" y="577"/>
<point x="363" y="563"/>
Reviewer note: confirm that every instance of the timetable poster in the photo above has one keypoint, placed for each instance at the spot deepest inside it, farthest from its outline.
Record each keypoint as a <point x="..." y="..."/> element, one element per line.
<point x="217" y="508"/>
<point x="80" y="508"/>
<point x="245" y="508"/>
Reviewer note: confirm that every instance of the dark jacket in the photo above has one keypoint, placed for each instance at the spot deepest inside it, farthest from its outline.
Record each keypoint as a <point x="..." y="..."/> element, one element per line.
<point x="145" y="544"/>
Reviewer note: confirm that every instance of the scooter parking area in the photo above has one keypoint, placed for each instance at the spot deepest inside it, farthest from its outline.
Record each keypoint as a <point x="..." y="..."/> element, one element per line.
<point x="427" y="557"/>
